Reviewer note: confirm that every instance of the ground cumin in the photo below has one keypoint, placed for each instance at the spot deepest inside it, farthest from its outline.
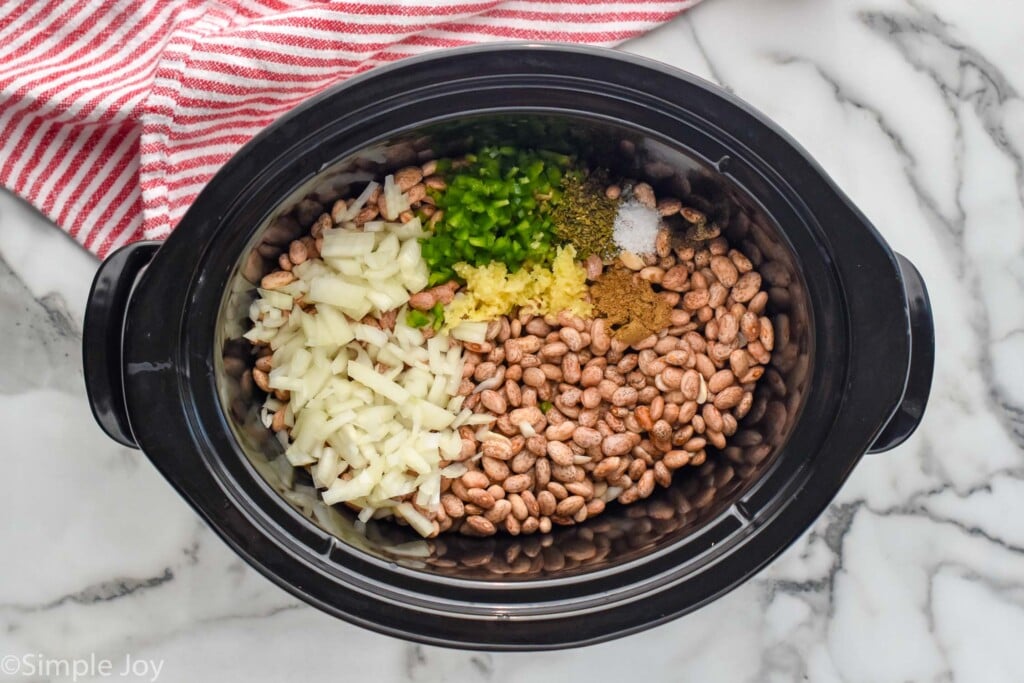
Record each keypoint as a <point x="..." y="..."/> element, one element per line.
<point x="629" y="304"/>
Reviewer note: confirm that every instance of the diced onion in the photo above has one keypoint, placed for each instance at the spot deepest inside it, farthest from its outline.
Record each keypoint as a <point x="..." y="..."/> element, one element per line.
<point x="372" y="411"/>
<point x="394" y="201"/>
<point x="473" y="332"/>
<point x="360" y="202"/>
<point x="416" y="520"/>
<point x="455" y="470"/>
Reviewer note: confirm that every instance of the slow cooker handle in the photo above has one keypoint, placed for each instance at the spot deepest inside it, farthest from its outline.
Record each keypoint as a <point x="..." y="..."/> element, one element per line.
<point x="102" y="337"/>
<point x="922" y="362"/>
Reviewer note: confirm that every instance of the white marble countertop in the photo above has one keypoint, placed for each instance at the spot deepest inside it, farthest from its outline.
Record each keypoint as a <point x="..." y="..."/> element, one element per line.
<point x="915" y="573"/>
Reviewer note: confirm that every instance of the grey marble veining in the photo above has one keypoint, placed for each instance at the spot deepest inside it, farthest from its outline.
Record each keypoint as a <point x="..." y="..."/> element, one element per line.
<point x="45" y="340"/>
<point x="915" y="573"/>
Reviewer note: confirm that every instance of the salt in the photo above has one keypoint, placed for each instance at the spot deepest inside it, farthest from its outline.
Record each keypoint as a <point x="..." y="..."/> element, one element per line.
<point x="636" y="227"/>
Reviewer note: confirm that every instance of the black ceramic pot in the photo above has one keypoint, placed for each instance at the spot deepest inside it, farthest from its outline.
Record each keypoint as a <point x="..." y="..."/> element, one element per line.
<point x="850" y="374"/>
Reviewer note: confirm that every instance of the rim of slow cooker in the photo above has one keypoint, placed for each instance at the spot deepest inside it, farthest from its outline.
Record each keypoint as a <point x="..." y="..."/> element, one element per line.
<point x="573" y="586"/>
<point x="238" y="523"/>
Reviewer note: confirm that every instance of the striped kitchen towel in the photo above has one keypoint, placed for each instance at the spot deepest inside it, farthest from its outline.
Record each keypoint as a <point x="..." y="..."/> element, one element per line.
<point x="115" y="113"/>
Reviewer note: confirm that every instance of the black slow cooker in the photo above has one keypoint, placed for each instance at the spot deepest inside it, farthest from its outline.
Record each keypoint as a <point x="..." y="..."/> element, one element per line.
<point x="165" y="362"/>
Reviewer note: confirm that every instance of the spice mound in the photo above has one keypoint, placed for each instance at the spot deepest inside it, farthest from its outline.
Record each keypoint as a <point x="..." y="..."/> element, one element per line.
<point x="585" y="216"/>
<point x="630" y="305"/>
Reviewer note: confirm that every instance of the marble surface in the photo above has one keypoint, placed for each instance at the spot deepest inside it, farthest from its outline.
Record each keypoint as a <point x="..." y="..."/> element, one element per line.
<point x="915" y="573"/>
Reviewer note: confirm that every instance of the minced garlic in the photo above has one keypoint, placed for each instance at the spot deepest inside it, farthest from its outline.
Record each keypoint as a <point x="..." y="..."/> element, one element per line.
<point x="491" y="291"/>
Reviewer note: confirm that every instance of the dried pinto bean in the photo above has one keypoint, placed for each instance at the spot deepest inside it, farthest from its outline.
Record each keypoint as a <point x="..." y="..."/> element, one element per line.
<point x="617" y="418"/>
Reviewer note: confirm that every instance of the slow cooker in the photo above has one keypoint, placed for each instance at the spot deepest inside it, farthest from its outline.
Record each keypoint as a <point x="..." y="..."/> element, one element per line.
<point x="165" y="362"/>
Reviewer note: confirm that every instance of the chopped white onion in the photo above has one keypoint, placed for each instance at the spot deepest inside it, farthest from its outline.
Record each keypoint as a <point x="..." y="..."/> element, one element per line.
<point x="416" y="520"/>
<point x="394" y="201"/>
<point x="360" y="201"/>
<point x="473" y="332"/>
<point x="372" y="411"/>
<point x="455" y="470"/>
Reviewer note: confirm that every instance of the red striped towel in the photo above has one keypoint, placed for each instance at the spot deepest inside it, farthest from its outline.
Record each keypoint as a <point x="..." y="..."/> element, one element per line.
<point x="115" y="113"/>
